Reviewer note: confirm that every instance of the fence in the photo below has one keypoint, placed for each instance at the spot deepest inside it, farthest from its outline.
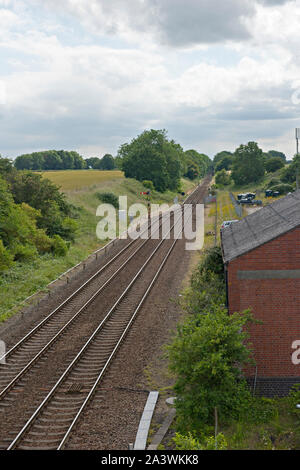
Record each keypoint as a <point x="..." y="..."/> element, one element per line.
<point x="238" y="208"/>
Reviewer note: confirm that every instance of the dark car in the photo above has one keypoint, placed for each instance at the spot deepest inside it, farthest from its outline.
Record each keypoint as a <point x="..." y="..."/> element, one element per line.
<point x="246" y="201"/>
<point x="250" y="196"/>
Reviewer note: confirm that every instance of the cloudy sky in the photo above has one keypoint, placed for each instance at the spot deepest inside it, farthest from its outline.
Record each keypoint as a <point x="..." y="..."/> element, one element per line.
<point x="90" y="75"/>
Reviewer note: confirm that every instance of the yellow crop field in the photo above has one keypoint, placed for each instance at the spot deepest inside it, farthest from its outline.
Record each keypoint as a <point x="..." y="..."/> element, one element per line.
<point x="70" y="180"/>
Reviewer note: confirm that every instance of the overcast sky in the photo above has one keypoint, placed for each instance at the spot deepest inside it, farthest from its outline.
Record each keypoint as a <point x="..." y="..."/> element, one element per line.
<point x="90" y="75"/>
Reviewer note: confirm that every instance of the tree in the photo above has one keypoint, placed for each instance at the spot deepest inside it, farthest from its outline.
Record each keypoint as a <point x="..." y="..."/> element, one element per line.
<point x="248" y="165"/>
<point x="219" y="156"/>
<point x="225" y="163"/>
<point x="275" y="153"/>
<point x="197" y="164"/>
<point x="206" y="356"/>
<point x="93" y="162"/>
<point x="274" y="164"/>
<point x="107" y="162"/>
<point x="50" y="160"/>
<point x="5" y="165"/>
<point x="222" y="178"/>
<point x="151" y="156"/>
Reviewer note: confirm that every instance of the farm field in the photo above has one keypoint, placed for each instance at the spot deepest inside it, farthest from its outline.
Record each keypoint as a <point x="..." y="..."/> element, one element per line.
<point x="69" y="180"/>
<point x="81" y="188"/>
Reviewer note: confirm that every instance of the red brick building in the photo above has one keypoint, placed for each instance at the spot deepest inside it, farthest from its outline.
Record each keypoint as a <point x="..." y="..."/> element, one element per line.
<point x="262" y="266"/>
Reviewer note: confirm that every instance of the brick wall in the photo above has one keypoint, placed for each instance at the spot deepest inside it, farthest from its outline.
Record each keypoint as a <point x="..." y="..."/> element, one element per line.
<point x="276" y="302"/>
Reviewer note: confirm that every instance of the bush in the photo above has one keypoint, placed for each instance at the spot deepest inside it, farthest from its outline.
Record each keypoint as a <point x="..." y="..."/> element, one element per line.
<point x="149" y="185"/>
<point x="213" y="261"/>
<point x="273" y="182"/>
<point x="274" y="164"/>
<point x="6" y="258"/>
<point x="207" y="356"/>
<point x="24" y="252"/>
<point x="294" y="399"/>
<point x="59" y="246"/>
<point x="189" y="442"/>
<point x="282" y="188"/>
<point x="42" y="242"/>
<point x="222" y="178"/>
<point x="108" y="198"/>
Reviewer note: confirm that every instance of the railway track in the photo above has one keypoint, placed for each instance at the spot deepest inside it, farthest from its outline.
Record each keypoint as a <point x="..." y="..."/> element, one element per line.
<point x="52" y="422"/>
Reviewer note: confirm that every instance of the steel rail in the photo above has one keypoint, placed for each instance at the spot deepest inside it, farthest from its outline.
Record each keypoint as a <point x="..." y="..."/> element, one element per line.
<point x="72" y="319"/>
<point x="81" y="352"/>
<point x="71" y="297"/>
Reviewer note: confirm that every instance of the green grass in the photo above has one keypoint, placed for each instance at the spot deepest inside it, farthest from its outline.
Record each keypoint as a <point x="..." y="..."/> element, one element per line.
<point x="23" y="280"/>
<point x="280" y="432"/>
<point x="69" y="180"/>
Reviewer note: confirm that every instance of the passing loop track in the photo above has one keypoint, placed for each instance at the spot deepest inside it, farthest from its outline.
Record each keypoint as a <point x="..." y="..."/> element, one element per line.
<point x="51" y="424"/>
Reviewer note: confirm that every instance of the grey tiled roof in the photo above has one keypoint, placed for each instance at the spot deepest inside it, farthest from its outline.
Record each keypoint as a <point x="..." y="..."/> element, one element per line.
<point x="261" y="226"/>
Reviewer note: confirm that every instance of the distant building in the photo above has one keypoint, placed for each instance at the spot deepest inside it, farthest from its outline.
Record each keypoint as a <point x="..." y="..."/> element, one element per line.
<point x="262" y="266"/>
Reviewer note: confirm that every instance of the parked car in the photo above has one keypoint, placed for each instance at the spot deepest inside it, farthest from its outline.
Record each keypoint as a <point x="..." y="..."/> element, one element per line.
<point x="245" y="201"/>
<point x="227" y="223"/>
<point x="270" y="193"/>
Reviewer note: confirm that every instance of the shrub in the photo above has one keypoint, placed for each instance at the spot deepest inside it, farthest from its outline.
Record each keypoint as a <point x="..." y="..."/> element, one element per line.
<point x="42" y="242"/>
<point x="148" y="184"/>
<point x="6" y="258"/>
<point x="282" y="188"/>
<point x="109" y="198"/>
<point x="294" y="399"/>
<point x="213" y="261"/>
<point x="24" y="252"/>
<point x="273" y="182"/>
<point x="189" y="442"/>
<point x="222" y="178"/>
<point x="59" y="246"/>
<point x="274" y="164"/>
<point x="207" y="356"/>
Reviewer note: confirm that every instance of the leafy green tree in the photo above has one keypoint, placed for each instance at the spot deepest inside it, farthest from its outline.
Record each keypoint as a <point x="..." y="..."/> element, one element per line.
<point x="151" y="156"/>
<point x="207" y="356"/>
<point x="274" y="164"/>
<point x="221" y="155"/>
<point x="225" y="163"/>
<point x="248" y="166"/>
<point x="222" y="178"/>
<point x="275" y="153"/>
<point x="107" y="162"/>
<point x="93" y="162"/>
<point x="197" y="164"/>
<point x="6" y="166"/>
<point x="50" y="160"/>
<point x="43" y="195"/>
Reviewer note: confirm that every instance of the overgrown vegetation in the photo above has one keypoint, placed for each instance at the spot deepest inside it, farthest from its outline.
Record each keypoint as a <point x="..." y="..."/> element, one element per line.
<point x="35" y="217"/>
<point x="249" y="165"/>
<point x="207" y="357"/>
<point x="151" y="156"/>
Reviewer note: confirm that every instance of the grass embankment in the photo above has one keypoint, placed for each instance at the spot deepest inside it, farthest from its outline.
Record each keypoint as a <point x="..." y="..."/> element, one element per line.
<point x="81" y="188"/>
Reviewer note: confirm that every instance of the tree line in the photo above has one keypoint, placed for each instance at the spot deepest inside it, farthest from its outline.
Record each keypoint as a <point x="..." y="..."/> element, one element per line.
<point x="249" y="164"/>
<point x="62" y="160"/>
<point x="151" y="156"/>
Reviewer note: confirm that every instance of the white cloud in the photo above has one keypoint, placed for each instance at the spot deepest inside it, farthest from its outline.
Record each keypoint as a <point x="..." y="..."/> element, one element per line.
<point x="90" y="96"/>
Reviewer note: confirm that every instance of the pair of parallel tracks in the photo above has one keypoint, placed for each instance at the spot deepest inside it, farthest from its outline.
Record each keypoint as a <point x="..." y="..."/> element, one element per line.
<point x="54" y="419"/>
